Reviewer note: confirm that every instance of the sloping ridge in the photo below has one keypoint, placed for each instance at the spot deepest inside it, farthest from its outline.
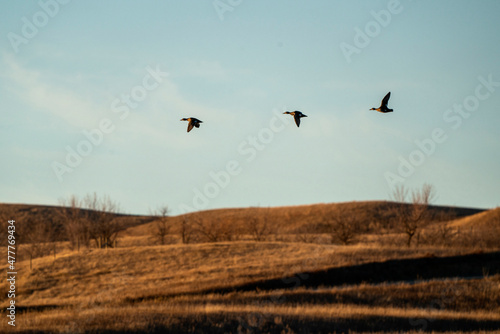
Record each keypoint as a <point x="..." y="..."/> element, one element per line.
<point x="27" y="214"/>
<point x="408" y="270"/>
<point x="295" y="219"/>
<point x="289" y="219"/>
<point x="480" y="219"/>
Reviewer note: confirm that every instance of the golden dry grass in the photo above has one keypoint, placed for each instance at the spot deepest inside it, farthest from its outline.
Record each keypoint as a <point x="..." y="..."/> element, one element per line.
<point x="286" y="219"/>
<point x="137" y="272"/>
<point x="140" y="287"/>
<point x="140" y="317"/>
<point x="479" y="220"/>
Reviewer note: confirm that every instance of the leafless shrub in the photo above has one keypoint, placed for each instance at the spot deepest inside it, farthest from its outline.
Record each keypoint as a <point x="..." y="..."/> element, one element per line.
<point x="75" y="222"/>
<point x="444" y="234"/>
<point x="161" y="229"/>
<point x="186" y="231"/>
<point x="410" y="217"/>
<point x="103" y="225"/>
<point x="441" y="234"/>
<point x="307" y="238"/>
<point x="259" y="226"/>
<point x="211" y="230"/>
<point x="39" y="238"/>
<point x="344" y="227"/>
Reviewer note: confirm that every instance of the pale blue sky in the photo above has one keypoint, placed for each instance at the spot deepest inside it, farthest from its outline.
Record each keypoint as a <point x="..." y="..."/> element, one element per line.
<point x="238" y="70"/>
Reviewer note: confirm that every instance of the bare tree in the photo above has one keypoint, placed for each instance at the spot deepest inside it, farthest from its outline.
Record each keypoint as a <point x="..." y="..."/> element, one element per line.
<point x="211" y="230"/>
<point x="186" y="231"/>
<point x="161" y="229"/>
<point x="39" y="237"/>
<point x="343" y="225"/>
<point x="75" y="222"/>
<point x="34" y="229"/>
<point x="103" y="226"/>
<point x="259" y="226"/>
<point x="410" y="217"/>
<point x="442" y="232"/>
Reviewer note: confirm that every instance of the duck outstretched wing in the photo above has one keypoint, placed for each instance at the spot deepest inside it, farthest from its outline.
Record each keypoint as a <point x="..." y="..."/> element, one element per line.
<point x="385" y="101"/>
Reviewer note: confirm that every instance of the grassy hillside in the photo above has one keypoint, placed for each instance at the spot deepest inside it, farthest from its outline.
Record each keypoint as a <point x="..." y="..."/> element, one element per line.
<point x="289" y="219"/>
<point x="152" y="288"/>
<point x="301" y="218"/>
<point x="479" y="220"/>
<point x="26" y="213"/>
<point x="285" y="283"/>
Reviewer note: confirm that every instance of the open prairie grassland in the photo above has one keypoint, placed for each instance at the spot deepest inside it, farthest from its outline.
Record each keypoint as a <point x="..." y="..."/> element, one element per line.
<point x="260" y="270"/>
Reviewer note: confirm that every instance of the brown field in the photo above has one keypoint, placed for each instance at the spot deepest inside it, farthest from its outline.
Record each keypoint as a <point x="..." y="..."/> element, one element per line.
<point x="288" y="278"/>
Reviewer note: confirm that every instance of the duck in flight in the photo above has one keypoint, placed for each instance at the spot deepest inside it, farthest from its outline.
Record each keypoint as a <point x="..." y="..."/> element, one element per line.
<point x="296" y="115"/>
<point x="192" y="122"/>
<point x="383" y="106"/>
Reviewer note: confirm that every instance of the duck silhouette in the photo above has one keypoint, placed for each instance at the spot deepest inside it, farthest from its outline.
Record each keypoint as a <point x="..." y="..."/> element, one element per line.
<point x="383" y="106"/>
<point x="296" y="115"/>
<point x="192" y="122"/>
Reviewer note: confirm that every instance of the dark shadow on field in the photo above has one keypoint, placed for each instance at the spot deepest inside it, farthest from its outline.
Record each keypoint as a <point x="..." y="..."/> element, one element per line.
<point x="255" y="323"/>
<point x="463" y="266"/>
<point x="270" y="323"/>
<point x="426" y="268"/>
<point x="37" y="308"/>
<point x="390" y="271"/>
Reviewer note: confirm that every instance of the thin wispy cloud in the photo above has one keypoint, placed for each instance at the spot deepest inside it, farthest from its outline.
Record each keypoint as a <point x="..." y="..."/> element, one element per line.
<point x="209" y="70"/>
<point x="36" y="89"/>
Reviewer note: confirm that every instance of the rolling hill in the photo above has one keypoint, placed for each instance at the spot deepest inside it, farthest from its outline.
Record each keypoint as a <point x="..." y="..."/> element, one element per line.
<point x="279" y="284"/>
<point x="373" y="217"/>
<point x="299" y="219"/>
<point x="478" y="220"/>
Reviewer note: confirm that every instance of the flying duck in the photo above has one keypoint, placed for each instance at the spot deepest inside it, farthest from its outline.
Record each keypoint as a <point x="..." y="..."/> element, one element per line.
<point x="296" y="115"/>
<point x="383" y="106"/>
<point x="192" y="122"/>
